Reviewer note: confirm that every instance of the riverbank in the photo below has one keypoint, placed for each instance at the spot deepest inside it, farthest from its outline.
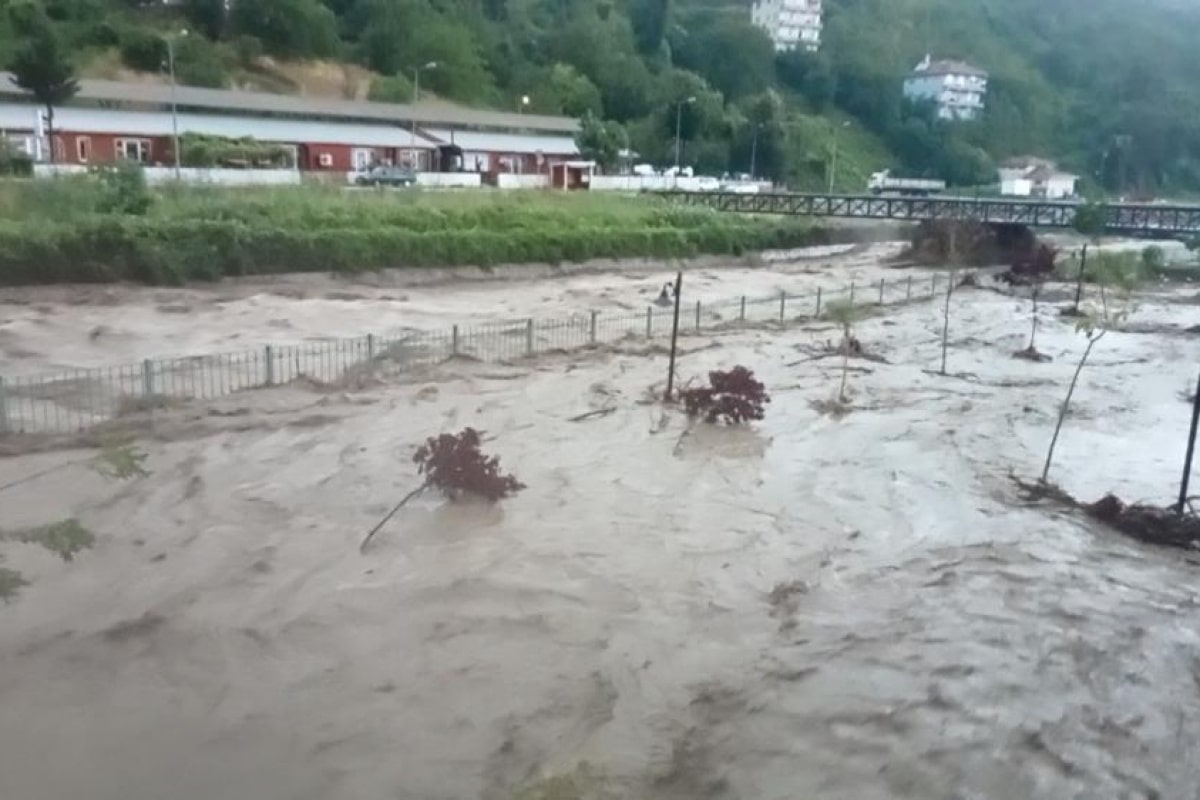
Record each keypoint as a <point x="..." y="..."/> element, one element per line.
<point x="111" y="229"/>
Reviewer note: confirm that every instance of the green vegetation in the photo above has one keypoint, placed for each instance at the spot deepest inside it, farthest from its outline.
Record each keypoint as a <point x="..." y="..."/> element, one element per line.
<point x="1104" y="86"/>
<point x="88" y="229"/>
<point x="119" y="458"/>
<point x="11" y="583"/>
<point x="198" y="150"/>
<point x="64" y="538"/>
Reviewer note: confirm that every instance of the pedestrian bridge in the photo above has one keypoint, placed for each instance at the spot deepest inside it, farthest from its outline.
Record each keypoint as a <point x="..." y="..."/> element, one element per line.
<point x="1139" y="219"/>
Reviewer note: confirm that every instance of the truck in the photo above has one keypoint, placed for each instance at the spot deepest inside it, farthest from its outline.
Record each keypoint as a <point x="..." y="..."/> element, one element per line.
<point x="884" y="183"/>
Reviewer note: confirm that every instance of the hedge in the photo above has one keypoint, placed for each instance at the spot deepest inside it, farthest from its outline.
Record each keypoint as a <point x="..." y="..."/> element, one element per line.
<point x="159" y="250"/>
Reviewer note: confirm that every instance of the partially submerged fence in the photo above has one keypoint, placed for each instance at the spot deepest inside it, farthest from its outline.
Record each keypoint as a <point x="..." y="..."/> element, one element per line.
<point x="76" y="400"/>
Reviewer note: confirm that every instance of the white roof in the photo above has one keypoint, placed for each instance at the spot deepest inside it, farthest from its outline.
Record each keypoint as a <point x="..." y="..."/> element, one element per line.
<point x="15" y="116"/>
<point x="475" y="142"/>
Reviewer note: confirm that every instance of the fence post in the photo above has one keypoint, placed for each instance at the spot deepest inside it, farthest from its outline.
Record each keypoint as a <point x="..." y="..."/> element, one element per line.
<point x="529" y="336"/>
<point x="371" y="347"/>
<point x="3" y="408"/>
<point x="147" y="378"/>
<point x="933" y="285"/>
<point x="818" y="314"/>
<point x="743" y="317"/>
<point x="697" y="315"/>
<point x="592" y="327"/>
<point x="881" y="280"/>
<point x="852" y="294"/>
<point x="649" y="321"/>
<point x="908" y="289"/>
<point x="269" y="355"/>
<point x="782" y="305"/>
<point x="454" y="340"/>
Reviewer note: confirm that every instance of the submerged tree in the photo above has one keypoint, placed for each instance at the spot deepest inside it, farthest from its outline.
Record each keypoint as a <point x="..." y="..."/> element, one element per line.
<point x="454" y="465"/>
<point x="732" y="397"/>
<point x="845" y="314"/>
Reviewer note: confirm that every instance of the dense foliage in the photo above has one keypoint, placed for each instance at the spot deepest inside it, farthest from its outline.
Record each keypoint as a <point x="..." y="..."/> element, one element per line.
<point x="1104" y="86"/>
<point x="454" y="465"/>
<point x="732" y="397"/>
<point x="105" y="227"/>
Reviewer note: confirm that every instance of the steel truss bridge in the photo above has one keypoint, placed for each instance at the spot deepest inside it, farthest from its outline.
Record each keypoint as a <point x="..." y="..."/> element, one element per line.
<point x="1149" y="219"/>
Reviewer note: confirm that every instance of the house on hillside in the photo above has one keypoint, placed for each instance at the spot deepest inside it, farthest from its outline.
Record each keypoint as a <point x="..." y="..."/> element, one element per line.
<point x="956" y="88"/>
<point x="110" y="121"/>
<point x="789" y="23"/>
<point x="1036" y="177"/>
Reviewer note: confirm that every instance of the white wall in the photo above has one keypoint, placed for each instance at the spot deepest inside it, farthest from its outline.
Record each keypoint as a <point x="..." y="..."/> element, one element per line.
<point x="1060" y="186"/>
<point x="660" y="183"/>
<point x="450" y="180"/>
<point x="1016" y="187"/>
<point x="216" y="176"/>
<point x="507" y="180"/>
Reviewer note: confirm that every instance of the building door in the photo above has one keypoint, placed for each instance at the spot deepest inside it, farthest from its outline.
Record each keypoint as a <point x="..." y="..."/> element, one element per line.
<point x="363" y="158"/>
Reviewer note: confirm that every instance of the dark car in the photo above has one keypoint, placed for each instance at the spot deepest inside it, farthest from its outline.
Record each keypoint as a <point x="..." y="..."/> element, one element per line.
<point x="387" y="176"/>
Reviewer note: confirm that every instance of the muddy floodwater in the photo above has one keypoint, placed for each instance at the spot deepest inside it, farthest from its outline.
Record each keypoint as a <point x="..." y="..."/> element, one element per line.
<point x="856" y="607"/>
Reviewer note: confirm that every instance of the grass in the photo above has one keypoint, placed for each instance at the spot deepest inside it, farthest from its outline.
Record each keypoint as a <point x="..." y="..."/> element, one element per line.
<point x="11" y="583"/>
<point x="64" y="538"/>
<point x="65" y="229"/>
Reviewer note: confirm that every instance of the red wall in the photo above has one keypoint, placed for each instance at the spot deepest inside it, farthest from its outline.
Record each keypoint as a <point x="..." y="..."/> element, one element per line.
<point x="103" y="148"/>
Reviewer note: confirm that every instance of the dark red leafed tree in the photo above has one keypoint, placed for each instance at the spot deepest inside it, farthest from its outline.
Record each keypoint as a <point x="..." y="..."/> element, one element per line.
<point x="732" y="397"/>
<point x="453" y="464"/>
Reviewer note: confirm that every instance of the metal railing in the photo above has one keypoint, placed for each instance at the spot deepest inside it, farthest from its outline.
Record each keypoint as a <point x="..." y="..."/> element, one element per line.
<point x="76" y="400"/>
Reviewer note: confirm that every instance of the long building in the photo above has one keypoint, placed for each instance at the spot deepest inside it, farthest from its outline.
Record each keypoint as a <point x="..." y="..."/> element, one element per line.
<point x="109" y="121"/>
<point x="957" y="89"/>
<point x="791" y="24"/>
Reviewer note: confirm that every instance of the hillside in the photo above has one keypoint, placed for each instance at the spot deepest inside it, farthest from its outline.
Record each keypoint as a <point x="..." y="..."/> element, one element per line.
<point x="1105" y="86"/>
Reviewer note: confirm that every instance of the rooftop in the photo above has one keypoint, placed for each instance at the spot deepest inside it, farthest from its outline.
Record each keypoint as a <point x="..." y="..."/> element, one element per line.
<point x="947" y="66"/>
<point x="194" y="98"/>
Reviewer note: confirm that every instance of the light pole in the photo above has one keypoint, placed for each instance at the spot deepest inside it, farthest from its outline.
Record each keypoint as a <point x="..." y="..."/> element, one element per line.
<point x="833" y="161"/>
<point x="174" y="106"/>
<point x="754" y="149"/>
<point x="679" y="129"/>
<point x="417" y="70"/>
<point x="523" y="104"/>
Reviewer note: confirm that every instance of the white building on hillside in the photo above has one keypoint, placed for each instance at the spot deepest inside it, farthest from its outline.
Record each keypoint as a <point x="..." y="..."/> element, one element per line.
<point x="789" y="23"/>
<point x="1036" y="177"/>
<point x="956" y="87"/>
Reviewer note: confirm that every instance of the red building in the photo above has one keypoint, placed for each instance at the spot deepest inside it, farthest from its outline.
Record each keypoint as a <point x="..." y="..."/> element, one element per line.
<point x="109" y="121"/>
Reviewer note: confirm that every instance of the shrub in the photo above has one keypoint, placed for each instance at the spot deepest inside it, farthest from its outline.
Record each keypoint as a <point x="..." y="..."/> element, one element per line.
<point x="732" y="397"/>
<point x="143" y="50"/>
<point x="125" y="189"/>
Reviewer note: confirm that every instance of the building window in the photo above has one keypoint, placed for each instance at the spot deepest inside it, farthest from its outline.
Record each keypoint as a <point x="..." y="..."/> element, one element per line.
<point x="134" y="150"/>
<point x="363" y="158"/>
<point x="83" y="149"/>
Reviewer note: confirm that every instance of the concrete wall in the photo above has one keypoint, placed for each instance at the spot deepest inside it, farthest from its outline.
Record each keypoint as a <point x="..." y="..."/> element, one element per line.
<point x="507" y="180"/>
<point x="660" y="183"/>
<point x="215" y="176"/>
<point x="450" y="180"/>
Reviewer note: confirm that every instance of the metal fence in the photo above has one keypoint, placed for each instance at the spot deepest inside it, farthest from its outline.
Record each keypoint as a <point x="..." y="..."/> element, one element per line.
<point x="77" y="400"/>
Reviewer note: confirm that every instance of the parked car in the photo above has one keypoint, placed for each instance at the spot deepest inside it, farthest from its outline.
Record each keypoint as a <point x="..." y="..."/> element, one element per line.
<point x="387" y="176"/>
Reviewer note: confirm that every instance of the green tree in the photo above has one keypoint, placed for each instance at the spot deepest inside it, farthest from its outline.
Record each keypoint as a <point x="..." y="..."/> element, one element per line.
<point x="288" y="28"/>
<point x="734" y="56"/>
<point x="42" y="67"/>
<point x="600" y="141"/>
<point x="207" y="16"/>
<point x="650" y="19"/>
<point x="566" y="91"/>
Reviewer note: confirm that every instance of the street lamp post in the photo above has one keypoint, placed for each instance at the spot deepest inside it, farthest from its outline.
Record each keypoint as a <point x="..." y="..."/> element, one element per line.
<point x="833" y="161"/>
<point x="679" y="129"/>
<point x="174" y="105"/>
<point x="416" y="98"/>
<point x="523" y="104"/>
<point x="754" y="150"/>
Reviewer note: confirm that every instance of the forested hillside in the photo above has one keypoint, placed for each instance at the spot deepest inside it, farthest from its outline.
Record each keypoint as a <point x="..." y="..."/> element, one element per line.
<point x="1109" y="87"/>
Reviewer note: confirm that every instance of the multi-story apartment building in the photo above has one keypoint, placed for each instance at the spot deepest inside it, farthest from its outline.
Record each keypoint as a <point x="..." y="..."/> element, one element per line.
<point x="789" y="23"/>
<point x="956" y="87"/>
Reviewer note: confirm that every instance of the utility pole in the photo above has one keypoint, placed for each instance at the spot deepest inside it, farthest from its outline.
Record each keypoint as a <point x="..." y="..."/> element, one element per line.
<point x="174" y="106"/>
<point x="675" y="336"/>
<point x="754" y="150"/>
<point x="679" y="130"/>
<point x="416" y="98"/>
<point x="1191" y="451"/>
<point x="833" y="161"/>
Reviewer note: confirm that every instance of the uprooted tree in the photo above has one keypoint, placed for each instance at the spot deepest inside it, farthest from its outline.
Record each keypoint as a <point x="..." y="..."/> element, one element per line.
<point x="1033" y="272"/>
<point x="845" y="314"/>
<point x="453" y="464"/>
<point x="731" y="397"/>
